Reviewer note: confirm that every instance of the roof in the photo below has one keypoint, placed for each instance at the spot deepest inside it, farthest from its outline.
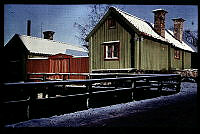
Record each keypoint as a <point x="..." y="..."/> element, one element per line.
<point x="51" y="47"/>
<point x="145" y="28"/>
<point x="157" y="10"/>
<point x="181" y="19"/>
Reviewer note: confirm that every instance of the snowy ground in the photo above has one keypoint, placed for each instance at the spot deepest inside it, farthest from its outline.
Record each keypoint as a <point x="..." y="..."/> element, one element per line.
<point x="170" y="107"/>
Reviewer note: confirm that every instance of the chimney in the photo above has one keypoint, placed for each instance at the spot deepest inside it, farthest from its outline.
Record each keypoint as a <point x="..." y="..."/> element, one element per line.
<point x="29" y="28"/>
<point x="178" y="28"/>
<point x="48" y="35"/>
<point x="159" y="21"/>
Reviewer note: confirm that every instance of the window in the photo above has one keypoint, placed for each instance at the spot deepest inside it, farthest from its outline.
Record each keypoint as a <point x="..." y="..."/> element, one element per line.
<point x="111" y="23"/>
<point x="111" y="51"/>
<point x="176" y="54"/>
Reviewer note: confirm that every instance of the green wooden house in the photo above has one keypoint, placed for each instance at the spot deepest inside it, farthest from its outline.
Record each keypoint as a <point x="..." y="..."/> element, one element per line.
<point x="121" y="41"/>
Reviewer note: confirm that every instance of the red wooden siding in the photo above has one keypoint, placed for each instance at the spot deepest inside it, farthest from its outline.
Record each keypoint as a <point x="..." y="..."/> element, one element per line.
<point x="59" y="63"/>
<point x="37" y="66"/>
<point x="79" y="65"/>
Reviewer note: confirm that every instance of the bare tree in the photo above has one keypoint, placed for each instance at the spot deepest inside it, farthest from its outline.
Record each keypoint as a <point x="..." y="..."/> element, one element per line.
<point x="96" y="13"/>
<point x="190" y="37"/>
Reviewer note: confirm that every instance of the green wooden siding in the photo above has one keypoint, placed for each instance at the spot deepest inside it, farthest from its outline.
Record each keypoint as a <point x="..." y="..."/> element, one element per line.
<point x="154" y="55"/>
<point x="104" y="34"/>
<point x="187" y="60"/>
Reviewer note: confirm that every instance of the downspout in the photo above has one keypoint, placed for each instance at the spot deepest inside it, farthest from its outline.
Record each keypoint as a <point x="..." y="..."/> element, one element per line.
<point x="90" y="55"/>
<point x="182" y="59"/>
<point x="137" y="43"/>
<point x="132" y="42"/>
<point x="169" y="57"/>
<point x="140" y="52"/>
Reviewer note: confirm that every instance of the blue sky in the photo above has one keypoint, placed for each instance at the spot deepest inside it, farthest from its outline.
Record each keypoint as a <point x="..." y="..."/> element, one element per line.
<point x="61" y="18"/>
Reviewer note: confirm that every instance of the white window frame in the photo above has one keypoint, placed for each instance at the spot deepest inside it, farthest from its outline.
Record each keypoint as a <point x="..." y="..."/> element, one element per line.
<point x="111" y="43"/>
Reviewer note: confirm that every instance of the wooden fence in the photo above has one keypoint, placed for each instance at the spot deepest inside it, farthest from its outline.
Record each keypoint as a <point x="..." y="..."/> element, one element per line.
<point x="59" y="63"/>
<point x="60" y="97"/>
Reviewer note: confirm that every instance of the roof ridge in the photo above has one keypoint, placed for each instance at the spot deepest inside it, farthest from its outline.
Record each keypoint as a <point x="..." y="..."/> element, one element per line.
<point x="128" y="14"/>
<point x="134" y="16"/>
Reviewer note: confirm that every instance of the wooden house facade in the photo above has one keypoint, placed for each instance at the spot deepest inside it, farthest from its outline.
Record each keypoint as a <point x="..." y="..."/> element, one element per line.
<point x="27" y="54"/>
<point x="123" y="41"/>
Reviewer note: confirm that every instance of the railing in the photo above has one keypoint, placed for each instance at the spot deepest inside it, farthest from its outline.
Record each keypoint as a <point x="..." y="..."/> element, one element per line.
<point x="62" y="76"/>
<point x="67" y="76"/>
<point x="74" y="95"/>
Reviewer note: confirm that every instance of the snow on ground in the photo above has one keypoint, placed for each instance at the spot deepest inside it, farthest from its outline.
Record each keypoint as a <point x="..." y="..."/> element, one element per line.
<point x="95" y="115"/>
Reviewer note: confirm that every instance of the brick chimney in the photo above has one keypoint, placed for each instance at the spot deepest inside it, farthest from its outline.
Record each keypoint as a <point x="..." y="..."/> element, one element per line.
<point x="48" y="35"/>
<point x="178" y="28"/>
<point x="159" y="21"/>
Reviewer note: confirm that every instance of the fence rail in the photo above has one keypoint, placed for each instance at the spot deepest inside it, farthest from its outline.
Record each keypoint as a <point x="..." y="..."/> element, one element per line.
<point x="66" y="76"/>
<point x="51" y="76"/>
<point x="74" y="95"/>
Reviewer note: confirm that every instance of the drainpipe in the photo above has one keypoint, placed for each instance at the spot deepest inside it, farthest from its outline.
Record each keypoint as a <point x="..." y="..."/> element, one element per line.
<point x="183" y="60"/>
<point x="90" y="54"/>
<point x="137" y="44"/>
<point x="169" y="58"/>
<point x="140" y="52"/>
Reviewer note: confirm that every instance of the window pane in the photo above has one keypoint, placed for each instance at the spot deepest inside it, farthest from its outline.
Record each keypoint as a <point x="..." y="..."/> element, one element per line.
<point x="116" y="50"/>
<point x="111" y="23"/>
<point x="109" y="51"/>
<point x="176" y="54"/>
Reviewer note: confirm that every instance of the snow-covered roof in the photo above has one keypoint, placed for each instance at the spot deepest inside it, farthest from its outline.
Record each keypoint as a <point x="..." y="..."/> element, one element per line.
<point x="159" y="10"/>
<point x="38" y="58"/>
<point x="147" y="29"/>
<point x="45" y="46"/>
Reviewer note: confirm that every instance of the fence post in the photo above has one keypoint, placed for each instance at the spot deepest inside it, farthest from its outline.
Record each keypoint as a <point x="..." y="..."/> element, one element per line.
<point x="44" y="77"/>
<point x="68" y="76"/>
<point x="51" y="91"/>
<point x="89" y="90"/>
<point x="88" y="76"/>
<point x="44" y="91"/>
<point x="147" y="82"/>
<point x="63" y="77"/>
<point x="160" y="82"/>
<point x="28" y="77"/>
<point x="133" y="89"/>
<point x="178" y="85"/>
<point x="31" y="100"/>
